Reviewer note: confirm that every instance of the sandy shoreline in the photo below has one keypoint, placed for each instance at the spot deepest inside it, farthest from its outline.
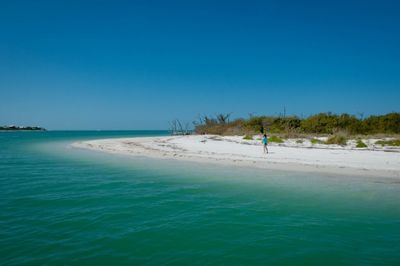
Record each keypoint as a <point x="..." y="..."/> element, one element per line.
<point x="236" y="151"/>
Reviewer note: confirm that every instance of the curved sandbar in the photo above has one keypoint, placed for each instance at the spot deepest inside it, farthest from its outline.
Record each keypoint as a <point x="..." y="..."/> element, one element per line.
<point x="236" y="151"/>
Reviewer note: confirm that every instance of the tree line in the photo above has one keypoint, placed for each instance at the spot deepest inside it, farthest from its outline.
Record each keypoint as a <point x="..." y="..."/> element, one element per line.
<point x="322" y="123"/>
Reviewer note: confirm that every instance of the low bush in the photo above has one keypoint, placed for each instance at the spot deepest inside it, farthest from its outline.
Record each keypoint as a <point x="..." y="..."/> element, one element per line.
<point x="317" y="141"/>
<point x="275" y="139"/>
<point x="361" y="144"/>
<point x="337" y="139"/>
<point x="394" y="142"/>
<point x="248" y="137"/>
<point x="299" y="141"/>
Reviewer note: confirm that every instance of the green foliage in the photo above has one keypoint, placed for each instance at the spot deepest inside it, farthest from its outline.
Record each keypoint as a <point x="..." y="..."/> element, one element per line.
<point x="248" y="137"/>
<point x="322" y="123"/>
<point x="327" y="123"/>
<point x="394" y="142"/>
<point x="361" y="144"/>
<point x="337" y="139"/>
<point x="389" y="123"/>
<point x="317" y="141"/>
<point x="258" y="124"/>
<point x="275" y="139"/>
<point x="299" y="141"/>
<point x="213" y="127"/>
<point x="254" y="124"/>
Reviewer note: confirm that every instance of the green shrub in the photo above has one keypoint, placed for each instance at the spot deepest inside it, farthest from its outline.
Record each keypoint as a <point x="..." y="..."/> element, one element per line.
<point x="275" y="139"/>
<point x="248" y="137"/>
<point x="394" y="142"/>
<point x="361" y="144"/>
<point x="316" y="141"/>
<point x="299" y="141"/>
<point x="337" y="139"/>
<point x="254" y="124"/>
<point x="388" y="123"/>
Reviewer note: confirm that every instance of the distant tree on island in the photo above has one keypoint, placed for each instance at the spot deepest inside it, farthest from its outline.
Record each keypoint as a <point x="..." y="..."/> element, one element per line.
<point x="21" y="128"/>
<point x="322" y="123"/>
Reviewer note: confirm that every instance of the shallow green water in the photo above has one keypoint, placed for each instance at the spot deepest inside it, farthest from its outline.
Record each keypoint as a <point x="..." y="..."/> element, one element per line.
<point x="61" y="205"/>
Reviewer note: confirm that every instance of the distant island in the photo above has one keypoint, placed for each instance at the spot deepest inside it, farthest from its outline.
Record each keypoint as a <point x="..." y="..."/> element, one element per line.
<point x="21" y="128"/>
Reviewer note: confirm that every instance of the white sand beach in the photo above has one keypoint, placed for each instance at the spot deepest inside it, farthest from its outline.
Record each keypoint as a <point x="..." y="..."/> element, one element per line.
<point x="291" y="155"/>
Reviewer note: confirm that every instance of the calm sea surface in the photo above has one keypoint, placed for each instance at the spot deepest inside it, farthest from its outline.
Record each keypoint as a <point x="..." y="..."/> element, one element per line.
<point x="60" y="205"/>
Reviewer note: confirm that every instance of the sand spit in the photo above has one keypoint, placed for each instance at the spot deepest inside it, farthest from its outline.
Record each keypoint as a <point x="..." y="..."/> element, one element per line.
<point x="291" y="155"/>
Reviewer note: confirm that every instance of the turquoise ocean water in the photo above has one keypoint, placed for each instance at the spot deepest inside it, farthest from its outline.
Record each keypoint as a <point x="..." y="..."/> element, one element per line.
<point x="65" y="206"/>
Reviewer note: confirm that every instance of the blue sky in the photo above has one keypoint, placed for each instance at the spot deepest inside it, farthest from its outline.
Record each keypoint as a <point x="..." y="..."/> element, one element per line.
<point x="139" y="64"/>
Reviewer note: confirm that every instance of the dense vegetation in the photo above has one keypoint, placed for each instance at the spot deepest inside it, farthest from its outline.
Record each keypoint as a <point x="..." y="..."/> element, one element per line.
<point x="323" y="123"/>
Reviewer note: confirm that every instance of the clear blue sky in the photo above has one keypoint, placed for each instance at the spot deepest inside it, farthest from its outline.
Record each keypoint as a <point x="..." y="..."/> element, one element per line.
<point x="139" y="64"/>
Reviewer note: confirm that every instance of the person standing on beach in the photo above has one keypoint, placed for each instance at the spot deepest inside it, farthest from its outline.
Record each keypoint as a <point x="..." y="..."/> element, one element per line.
<point x="265" y="142"/>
